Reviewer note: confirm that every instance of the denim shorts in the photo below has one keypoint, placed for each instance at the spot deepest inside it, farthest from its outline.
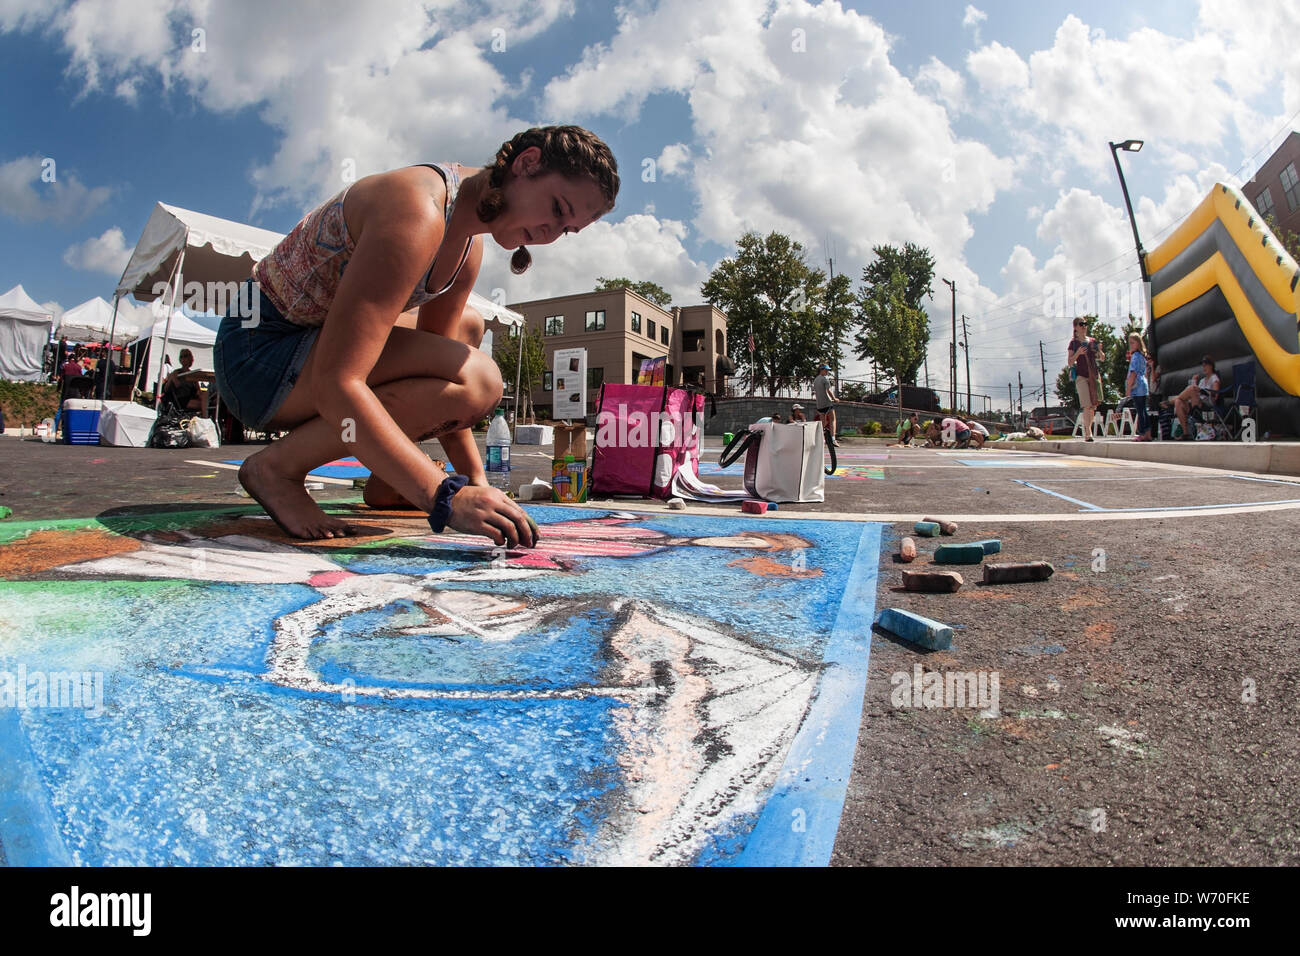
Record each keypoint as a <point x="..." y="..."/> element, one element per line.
<point x="258" y="359"/>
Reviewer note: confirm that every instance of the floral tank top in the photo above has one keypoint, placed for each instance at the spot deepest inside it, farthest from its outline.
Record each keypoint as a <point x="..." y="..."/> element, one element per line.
<point x="301" y="274"/>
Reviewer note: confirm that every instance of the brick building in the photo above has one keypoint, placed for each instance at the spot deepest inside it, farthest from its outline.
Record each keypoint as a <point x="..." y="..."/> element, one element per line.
<point x="619" y="329"/>
<point x="1275" y="189"/>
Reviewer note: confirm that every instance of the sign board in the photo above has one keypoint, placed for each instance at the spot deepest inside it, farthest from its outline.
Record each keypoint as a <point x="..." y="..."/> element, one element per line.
<point x="569" y="381"/>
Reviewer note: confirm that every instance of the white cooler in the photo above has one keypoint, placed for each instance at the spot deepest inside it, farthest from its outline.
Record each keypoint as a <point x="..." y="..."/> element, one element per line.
<point x="125" y="424"/>
<point x="534" y="434"/>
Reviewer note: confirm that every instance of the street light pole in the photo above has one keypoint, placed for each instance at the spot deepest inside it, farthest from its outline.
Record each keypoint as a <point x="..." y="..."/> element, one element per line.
<point x="1133" y="146"/>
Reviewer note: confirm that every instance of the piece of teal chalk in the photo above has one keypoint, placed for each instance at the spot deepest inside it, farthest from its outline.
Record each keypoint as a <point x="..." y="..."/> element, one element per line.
<point x="990" y="545"/>
<point x="915" y="628"/>
<point x="959" y="554"/>
<point x="928" y="529"/>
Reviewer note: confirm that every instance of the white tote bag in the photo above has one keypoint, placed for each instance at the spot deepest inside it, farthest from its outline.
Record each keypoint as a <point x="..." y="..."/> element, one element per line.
<point x="203" y="433"/>
<point x="785" y="462"/>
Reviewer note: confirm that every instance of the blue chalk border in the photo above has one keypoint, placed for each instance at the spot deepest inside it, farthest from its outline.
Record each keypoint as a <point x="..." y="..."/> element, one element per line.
<point x="801" y="816"/>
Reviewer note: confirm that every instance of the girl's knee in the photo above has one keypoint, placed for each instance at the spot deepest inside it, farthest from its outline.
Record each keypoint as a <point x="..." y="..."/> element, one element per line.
<point x="483" y="384"/>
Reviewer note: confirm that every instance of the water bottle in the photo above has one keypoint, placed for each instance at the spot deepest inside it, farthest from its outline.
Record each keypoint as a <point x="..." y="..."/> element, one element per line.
<point x="498" y="451"/>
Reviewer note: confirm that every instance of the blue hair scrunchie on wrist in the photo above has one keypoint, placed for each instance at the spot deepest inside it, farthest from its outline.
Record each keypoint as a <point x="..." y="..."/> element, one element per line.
<point x="441" y="512"/>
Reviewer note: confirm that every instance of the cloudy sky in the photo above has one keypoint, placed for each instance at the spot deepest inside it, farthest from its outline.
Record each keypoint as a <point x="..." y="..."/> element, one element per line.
<point x="979" y="131"/>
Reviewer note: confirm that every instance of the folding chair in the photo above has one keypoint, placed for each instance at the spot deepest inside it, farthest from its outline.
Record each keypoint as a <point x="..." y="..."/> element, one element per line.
<point x="1214" y="414"/>
<point x="1240" y="399"/>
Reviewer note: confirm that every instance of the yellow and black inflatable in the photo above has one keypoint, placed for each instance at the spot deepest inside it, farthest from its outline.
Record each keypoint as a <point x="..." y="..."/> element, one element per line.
<point x="1223" y="286"/>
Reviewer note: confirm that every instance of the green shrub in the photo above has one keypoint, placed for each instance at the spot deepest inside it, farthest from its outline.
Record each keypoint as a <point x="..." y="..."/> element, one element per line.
<point x="871" y="428"/>
<point x="27" y="403"/>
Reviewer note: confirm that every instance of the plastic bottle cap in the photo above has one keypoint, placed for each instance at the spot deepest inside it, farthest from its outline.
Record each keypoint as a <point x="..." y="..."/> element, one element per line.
<point x="568" y="459"/>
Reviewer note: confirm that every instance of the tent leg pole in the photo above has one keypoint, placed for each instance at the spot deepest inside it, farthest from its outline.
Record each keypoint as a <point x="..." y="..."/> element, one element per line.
<point x="108" y="360"/>
<point x="167" y="330"/>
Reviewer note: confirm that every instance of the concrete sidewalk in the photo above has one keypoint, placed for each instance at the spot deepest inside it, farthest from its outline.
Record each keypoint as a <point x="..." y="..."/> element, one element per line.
<point x="1263" y="458"/>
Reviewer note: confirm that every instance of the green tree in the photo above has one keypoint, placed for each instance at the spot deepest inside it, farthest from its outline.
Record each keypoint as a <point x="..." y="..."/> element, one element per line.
<point x="893" y="332"/>
<point x="1065" y="390"/>
<point x="506" y="352"/>
<point x="917" y="266"/>
<point x="648" y="290"/>
<point x="767" y="289"/>
<point x="1290" y="241"/>
<point x="838" y="319"/>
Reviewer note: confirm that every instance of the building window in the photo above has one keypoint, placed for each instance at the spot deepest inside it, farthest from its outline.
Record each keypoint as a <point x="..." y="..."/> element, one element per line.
<point x="650" y="328"/>
<point x="555" y="325"/>
<point x="636" y="321"/>
<point x="1264" y="202"/>
<point x="596" y="321"/>
<point x="546" y="381"/>
<point x="595" y="378"/>
<point x="1291" y="187"/>
<point x="663" y="334"/>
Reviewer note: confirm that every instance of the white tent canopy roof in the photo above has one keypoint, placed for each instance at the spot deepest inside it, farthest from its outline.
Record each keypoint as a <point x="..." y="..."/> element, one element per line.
<point x="490" y="310"/>
<point x="23" y="307"/>
<point x="184" y="331"/>
<point x="90" y="322"/>
<point x="216" y="250"/>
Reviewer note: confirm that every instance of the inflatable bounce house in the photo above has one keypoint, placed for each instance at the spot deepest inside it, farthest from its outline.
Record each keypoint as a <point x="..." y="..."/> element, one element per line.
<point x="1222" y="285"/>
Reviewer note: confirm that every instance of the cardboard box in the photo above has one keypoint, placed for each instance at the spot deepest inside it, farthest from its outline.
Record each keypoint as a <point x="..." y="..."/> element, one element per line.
<point x="570" y="440"/>
<point x="570" y="481"/>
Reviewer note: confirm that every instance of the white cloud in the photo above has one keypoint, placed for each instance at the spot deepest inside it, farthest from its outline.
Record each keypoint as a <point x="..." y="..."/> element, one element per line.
<point x="674" y="159"/>
<point x="943" y="83"/>
<point x="36" y="189"/>
<point x="972" y="20"/>
<point x="640" y="247"/>
<point x="106" y="253"/>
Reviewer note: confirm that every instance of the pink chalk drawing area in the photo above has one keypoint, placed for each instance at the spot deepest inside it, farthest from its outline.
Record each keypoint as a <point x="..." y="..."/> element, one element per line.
<point x="640" y="689"/>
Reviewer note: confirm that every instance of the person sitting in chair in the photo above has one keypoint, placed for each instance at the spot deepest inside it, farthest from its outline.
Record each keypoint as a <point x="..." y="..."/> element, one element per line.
<point x="1201" y="393"/>
<point x="175" y="389"/>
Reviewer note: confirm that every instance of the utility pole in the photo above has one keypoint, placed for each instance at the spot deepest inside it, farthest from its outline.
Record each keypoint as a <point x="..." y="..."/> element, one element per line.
<point x="966" y="345"/>
<point x="830" y="264"/>
<point x="927" y="365"/>
<point x="1021" y="386"/>
<point x="1011" y="405"/>
<point x="952" y="350"/>
<point x="1043" y="362"/>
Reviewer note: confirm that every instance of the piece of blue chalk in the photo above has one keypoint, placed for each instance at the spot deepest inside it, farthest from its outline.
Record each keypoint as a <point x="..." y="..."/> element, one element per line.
<point x="915" y="628"/>
<point x="958" y="554"/>
<point x="990" y="545"/>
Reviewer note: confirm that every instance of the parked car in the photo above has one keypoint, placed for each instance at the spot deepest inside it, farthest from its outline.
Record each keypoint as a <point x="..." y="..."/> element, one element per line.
<point x="1054" y="424"/>
<point x="922" y="399"/>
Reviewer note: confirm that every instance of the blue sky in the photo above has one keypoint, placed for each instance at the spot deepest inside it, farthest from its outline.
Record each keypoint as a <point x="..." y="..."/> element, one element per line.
<point x="978" y="130"/>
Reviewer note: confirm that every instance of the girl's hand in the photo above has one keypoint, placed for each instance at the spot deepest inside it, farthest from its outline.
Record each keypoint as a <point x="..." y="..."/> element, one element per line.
<point x="476" y="509"/>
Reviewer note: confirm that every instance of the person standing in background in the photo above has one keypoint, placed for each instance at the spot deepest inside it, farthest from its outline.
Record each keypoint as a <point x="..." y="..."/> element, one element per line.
<point x="1135" y="385"/>
<point x="825" y="399"/>
<point x="1084" y="355"/>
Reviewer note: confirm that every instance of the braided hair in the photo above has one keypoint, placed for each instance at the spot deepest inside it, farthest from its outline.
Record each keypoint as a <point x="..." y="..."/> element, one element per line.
<point x="570" y="151"/>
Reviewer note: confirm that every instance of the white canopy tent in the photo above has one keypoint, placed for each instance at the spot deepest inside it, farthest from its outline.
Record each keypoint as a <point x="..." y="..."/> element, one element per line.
<point x="172" y="333"/>
<point x="24" y="333"/>
<point x="92" y="321"/>
<point x="179" y="246"/>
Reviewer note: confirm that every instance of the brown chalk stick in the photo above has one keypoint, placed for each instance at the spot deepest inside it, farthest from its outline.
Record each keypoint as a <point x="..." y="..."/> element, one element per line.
<point x="1017" y="572"/>
<point x="947" y="527"/>
<point x="907" y="550"/>
<point x="943" y="581"/>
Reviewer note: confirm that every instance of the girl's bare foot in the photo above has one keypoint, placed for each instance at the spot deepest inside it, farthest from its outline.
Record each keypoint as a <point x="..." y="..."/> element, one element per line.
<point x="380" y="494"/>
<point x="287" y="502"/>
